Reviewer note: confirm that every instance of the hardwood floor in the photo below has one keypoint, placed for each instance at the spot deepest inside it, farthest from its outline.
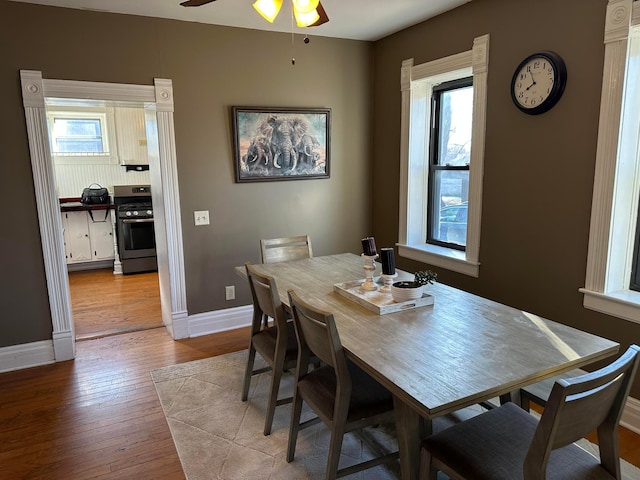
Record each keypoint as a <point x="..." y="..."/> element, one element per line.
<point x="106" y="304"/>
<point x="98" y="416"/>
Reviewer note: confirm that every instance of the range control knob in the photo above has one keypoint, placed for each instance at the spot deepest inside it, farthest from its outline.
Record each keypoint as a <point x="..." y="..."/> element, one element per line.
<point x="128" y="214"/>
<point x="135" y="213"/>
<point x="149" y="212"/>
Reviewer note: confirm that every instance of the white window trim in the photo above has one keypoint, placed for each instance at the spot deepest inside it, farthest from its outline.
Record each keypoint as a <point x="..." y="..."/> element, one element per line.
<point x="107" y="121"/>
<point x="416" y="84"/>
<point x="614" y="209"/>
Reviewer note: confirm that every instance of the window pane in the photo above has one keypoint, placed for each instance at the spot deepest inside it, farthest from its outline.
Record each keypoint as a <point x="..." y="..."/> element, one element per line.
<point x="451" y="189"/>
<point x="456" y="115"/>
<point x="77" y="135"/>
<point x="77" y="145"/>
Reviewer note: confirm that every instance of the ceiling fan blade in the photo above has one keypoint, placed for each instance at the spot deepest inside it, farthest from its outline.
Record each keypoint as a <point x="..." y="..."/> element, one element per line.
<point x="323" y="16"/>
<point x="195" y="3"/>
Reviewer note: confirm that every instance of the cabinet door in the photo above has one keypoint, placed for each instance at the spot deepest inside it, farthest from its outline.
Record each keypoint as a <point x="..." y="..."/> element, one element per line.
<point x="77" y="244"/>
<point x="101" y="235"/>
<point x="131" y="136"/>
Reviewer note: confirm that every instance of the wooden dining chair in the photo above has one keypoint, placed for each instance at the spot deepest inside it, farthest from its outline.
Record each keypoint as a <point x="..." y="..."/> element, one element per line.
<point x="276" y="343"/>
<point x="284" y="249"/>
<point x="539" y="392"/>
<point x="507" y="443"/>
<point x="343" y="396"/>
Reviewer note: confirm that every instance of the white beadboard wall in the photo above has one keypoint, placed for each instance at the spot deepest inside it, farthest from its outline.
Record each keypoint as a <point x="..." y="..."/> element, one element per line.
<point x="71" y="179"/>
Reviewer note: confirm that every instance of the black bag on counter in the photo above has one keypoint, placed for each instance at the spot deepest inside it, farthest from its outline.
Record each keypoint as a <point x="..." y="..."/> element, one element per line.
<point x="97" y="195"/>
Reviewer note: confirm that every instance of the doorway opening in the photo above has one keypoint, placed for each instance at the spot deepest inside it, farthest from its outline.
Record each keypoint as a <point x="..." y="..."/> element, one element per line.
<point x="164" y="181"/>
<point x="105" y="144"/>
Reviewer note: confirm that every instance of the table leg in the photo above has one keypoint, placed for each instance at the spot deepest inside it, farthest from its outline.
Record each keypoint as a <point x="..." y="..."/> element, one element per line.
<point x="411" y="428"/>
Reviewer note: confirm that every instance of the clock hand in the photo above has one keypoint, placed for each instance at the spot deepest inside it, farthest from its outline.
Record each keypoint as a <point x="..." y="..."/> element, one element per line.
<point x="533" y="82"/>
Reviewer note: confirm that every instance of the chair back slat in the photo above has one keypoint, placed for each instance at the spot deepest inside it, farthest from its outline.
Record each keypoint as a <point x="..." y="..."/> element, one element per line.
<point x="285" y="249"/>
<point x="266" y="299"/>
<point x="314" y="330"/>
<point x="577" y="406"/>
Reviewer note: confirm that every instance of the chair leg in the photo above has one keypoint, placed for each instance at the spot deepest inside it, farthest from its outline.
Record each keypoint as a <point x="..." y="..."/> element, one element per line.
<point x="248" y="372"/>
<point x="427" y="470"/>
<point x="294" y="426"/>
<point x="335" y="448"/>
<point x="276" y="375"/>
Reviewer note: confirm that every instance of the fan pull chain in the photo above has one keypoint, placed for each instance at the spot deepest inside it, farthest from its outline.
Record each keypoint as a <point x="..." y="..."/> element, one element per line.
<point x="293" y="58"/>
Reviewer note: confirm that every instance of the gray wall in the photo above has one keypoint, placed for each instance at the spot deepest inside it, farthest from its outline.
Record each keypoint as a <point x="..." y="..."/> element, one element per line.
<point x="213" y="68"/>
<point x="538" y="175"/>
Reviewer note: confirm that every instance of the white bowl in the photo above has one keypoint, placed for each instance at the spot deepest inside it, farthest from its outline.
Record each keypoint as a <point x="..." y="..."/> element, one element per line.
<point x="402" y="292"/>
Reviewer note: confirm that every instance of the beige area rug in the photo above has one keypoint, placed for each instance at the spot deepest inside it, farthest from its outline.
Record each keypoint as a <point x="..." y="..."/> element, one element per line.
<point x="219" y="437"/>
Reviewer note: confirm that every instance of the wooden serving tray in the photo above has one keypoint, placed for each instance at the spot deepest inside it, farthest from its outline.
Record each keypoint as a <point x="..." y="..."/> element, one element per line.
<point x="377" y="301"/>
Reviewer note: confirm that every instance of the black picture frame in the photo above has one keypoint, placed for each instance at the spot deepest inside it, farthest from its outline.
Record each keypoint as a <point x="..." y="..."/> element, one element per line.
<point x="279" y="143"/>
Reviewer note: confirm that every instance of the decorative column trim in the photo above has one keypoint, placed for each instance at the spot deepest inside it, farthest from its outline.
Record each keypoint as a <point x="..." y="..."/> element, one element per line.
<point x="616" y="35"/>
<point x="48" y="214"/>
<point x="170" y="197"/>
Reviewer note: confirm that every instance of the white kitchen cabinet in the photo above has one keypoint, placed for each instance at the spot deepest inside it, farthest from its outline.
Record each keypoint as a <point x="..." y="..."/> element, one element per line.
<point x="101" y="238"/>
<point x="131" y="136"/>
<point x="85" y="240"/>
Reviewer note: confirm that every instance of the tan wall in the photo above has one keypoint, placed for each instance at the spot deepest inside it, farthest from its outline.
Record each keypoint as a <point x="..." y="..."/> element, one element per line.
<point x="212" y="68"/>
<point x="539" y="170"/>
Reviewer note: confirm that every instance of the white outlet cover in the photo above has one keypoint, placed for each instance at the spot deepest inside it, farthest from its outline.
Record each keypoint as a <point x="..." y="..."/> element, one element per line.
<point x="201" y="217"/>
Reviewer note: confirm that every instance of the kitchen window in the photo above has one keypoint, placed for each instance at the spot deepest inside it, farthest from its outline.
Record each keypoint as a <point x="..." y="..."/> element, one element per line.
<point x="433" y="195"/>
<point x="81" y="135"/>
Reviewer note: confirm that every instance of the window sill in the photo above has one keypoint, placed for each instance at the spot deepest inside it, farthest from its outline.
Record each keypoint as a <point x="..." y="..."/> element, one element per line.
<point x="454" y="260"/>
<point x="622" y="304"/>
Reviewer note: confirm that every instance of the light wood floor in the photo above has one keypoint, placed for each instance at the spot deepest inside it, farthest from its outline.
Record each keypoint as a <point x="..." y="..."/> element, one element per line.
<point x="106" y="304"/>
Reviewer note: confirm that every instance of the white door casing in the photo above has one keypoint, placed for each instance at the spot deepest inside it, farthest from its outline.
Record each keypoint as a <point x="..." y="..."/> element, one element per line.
<point x="158" y="98"/>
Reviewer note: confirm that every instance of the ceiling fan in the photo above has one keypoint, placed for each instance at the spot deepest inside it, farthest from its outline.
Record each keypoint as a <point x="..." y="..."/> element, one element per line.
<point x="308" y="13"/>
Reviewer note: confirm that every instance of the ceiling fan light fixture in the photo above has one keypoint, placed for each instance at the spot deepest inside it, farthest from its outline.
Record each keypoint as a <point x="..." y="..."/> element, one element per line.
<point x="305" y="6"/>
<point x="305" y="19"/>
<point x="269" y="9"/>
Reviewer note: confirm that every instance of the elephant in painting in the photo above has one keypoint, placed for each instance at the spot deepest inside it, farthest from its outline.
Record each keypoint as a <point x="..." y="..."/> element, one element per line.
<point x="287" y="132"/>
<point x="259" y="151"/>
<point x="307" y="150"/>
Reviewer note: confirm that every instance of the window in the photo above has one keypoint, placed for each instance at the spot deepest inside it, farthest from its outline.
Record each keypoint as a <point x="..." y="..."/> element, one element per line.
<point x="611" y="262"/>
<point x="441" y="159"/>
<point x="77" y="136"/>
<point x="81" y="135"/>
<point x="450" y="156"/>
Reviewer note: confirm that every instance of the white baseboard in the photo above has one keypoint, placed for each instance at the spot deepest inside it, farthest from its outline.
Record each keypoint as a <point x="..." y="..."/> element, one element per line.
<point x="17" y="357"/>
<point x="220" y="320"/>
<point x="631" y="415"/>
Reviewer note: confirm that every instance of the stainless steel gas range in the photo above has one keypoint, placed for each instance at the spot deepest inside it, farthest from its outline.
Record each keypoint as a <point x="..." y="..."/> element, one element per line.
<point x="135" y="228"/>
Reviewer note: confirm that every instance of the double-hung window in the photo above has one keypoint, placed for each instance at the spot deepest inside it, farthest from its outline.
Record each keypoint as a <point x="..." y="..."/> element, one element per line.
<point x="441" y="159"/>
<point x="81" y="135"/>
<point x="449" y="160"/>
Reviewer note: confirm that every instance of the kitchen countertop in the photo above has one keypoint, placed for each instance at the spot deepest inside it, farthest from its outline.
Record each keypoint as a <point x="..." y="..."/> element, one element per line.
<point x="73" y="204"/>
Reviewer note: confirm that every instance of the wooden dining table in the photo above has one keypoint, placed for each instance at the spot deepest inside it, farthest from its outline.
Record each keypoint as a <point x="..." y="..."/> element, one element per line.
<point x="437" y="359"/>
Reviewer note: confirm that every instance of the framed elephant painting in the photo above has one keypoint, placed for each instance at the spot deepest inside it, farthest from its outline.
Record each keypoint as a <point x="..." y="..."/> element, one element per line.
<point x="281" y="143"/>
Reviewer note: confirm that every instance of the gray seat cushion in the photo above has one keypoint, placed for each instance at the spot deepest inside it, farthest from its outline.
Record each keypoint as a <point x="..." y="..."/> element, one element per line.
<point x="493" y="446"/>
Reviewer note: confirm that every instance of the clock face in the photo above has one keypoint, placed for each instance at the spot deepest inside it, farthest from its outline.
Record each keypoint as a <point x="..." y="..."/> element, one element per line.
<point x="538" y="82"/>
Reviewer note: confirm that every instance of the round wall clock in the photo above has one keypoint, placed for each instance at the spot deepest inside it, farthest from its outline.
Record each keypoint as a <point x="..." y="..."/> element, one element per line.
<point x="538" y="82"/>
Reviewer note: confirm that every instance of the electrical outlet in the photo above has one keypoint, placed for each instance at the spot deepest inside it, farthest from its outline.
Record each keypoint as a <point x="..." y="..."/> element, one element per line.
<point x="230" y="292"/>
<point x="201" y="217"/>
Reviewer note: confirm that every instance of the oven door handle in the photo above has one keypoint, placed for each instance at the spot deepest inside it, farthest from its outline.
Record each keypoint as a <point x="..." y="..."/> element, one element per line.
<point x="138" y="220"/>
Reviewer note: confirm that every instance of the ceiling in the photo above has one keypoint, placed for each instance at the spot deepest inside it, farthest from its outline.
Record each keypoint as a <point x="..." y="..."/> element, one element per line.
<point x="381" y="17"/>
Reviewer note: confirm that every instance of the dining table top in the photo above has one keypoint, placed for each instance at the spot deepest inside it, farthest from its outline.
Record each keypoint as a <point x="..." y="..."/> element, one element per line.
<point x="461" y="350"/>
